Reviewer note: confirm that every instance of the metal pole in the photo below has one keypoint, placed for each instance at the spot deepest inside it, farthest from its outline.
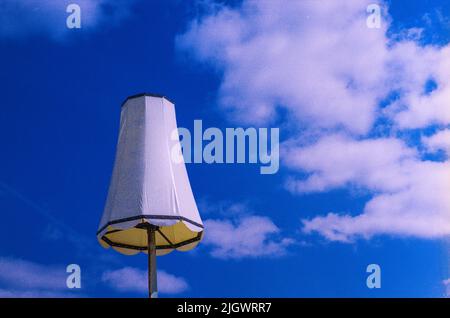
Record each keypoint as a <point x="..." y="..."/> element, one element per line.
<point x="152" y="284"/>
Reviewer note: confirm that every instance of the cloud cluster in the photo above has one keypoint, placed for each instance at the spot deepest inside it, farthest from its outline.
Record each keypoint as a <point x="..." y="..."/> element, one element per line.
<point x="244" y="237"/>
<point x="321" y="63"/>
<point x="438" y="142"/>
<point x="21" y="18"/>
<point x="237" y="232"/>
<point x="340" y="84"/>
<point x="21" y="278"/>
<point x="334" y="161"/>
<point x="409" y="195"/>
<point x="130" y="279"/>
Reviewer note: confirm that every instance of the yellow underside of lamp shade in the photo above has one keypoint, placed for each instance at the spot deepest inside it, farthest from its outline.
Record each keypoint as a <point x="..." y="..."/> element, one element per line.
<point x="130" y="241"/>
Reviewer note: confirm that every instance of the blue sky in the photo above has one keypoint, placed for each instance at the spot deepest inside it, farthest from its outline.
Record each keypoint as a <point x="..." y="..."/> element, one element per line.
<point x="363" y="155"/>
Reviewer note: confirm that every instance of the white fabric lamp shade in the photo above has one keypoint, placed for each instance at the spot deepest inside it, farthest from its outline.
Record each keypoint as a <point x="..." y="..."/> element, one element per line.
<point x="148" y="186"/>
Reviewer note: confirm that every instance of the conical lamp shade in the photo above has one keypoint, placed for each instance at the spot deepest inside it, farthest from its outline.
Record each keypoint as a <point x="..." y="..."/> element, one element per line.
<point x="148" y="186"/>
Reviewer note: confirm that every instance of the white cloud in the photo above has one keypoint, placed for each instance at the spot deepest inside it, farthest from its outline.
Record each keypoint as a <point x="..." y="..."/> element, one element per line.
<point x="336" y="161"/>
<point x="438" y="141"/>
<point x="320" y="63"/>
<point x="20" y="18"/>
<point x="237" y="232"/>
<point x="248" y="236"/>
<point x="129" y="279"/>
<point x="171" y="284"/>
<point x="410" y="195"/>
<point x="25" y="274"/>
<point x="21" y="278"/>
<point x="416" y="107"/>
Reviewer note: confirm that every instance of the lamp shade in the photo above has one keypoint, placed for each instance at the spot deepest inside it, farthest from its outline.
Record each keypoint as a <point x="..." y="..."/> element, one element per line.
<point x="149" y="187"/>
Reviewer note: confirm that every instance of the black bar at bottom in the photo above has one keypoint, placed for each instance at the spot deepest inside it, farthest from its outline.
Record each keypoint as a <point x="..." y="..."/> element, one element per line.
<point x="231" y="307"/>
